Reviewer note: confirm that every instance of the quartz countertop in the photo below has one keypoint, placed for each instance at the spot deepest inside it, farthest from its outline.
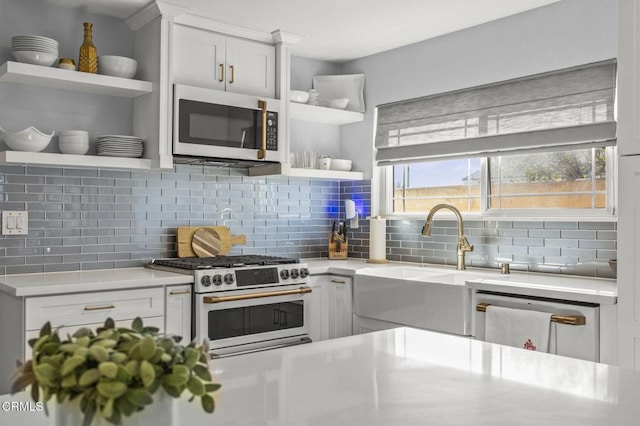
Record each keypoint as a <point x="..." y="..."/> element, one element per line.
<point x="42" y="284"/>
<point x="405" y="377"/>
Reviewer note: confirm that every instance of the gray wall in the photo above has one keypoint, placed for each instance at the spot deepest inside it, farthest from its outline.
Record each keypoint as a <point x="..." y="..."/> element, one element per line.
<point x="559" y="35"/>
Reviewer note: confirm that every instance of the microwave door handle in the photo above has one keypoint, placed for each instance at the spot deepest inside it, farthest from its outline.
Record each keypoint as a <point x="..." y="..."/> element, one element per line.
<point x="242" y="138"/>
<point x="262" y="152"/>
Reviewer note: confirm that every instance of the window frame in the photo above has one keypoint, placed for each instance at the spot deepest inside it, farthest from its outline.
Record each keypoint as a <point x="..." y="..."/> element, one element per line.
<point x="383" y="187"/>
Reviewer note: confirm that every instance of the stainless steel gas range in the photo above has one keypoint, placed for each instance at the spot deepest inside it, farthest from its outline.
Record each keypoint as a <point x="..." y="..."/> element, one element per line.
<point x="245" y="304"/>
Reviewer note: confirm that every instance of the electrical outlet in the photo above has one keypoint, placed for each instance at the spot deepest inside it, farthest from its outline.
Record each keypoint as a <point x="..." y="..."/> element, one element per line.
<point x="15" y="223"/>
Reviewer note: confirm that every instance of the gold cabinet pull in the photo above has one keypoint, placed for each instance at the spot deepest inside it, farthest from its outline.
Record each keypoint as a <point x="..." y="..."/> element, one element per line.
<point x="338" y="281"/>
<point x="560" y="319"/>
<point x="233" y="73"/>
<point x="219" y="299"/>
<point x="221" y="79"/>
<point x="262" y="152"/>
<point x="175" y="293"/>
<point x="98" y="308"/>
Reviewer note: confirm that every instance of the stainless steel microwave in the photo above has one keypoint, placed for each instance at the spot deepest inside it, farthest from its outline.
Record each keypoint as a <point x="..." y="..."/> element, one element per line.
<point x="221" y="125"/>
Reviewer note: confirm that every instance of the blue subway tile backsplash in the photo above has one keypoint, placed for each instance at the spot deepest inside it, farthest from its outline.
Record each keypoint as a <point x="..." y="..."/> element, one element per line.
<point x="83" y="219"/>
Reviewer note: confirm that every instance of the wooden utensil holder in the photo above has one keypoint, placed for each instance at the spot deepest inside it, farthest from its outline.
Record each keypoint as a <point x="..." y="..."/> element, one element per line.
<point x="338" y="251"/>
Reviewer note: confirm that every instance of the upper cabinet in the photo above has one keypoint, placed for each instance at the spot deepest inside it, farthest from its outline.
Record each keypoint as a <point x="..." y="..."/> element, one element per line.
<point x="207" y="59"/>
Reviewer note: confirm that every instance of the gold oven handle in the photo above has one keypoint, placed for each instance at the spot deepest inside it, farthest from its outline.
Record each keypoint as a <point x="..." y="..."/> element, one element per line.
<point x="262" y="152"/>
<point x="219" y="299"/>
<point x="560" y="319"/>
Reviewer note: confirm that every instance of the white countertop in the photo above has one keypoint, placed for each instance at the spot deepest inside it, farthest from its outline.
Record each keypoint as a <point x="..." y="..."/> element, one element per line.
<point x="83" y="281"/>
<point x="407" y="377"/>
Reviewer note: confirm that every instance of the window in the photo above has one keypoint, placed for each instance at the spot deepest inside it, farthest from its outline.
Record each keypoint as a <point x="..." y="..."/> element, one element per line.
<point x="551" y="183"/>
<point x="543" y="144"/>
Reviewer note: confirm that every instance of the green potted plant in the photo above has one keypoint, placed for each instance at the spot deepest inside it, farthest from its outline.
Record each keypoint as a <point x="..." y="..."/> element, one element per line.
<point x="113" y="373"/>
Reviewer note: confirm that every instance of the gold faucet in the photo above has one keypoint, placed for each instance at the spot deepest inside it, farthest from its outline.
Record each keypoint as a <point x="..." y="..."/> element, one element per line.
<point x="463" y="244"/>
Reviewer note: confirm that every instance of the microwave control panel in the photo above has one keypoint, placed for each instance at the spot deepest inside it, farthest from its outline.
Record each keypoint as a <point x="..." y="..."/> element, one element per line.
<point x="272" y="131"/>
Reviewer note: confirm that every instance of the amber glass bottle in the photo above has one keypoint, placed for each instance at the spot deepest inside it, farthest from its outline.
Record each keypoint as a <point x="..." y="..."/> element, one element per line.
<point x="88" y="61"/>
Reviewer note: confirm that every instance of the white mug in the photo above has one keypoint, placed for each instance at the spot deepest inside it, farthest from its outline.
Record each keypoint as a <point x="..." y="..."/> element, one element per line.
<point x="324" y="163"/>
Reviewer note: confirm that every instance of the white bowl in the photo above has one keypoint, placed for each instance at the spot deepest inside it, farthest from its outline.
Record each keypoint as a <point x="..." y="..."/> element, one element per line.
<point x="299" y="96"/>
<point x="340" y="103"/>
<point x="117" y="66"/>
<point x="29" y="139"/>
<point x="340" y="165"/>
<point x="73" y="142"/>
<point x="36" y="58"/>
<point x="73" y="148"/>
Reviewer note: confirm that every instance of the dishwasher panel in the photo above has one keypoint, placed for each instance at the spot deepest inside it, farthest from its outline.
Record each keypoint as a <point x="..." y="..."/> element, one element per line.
<point x="576" y="341"/>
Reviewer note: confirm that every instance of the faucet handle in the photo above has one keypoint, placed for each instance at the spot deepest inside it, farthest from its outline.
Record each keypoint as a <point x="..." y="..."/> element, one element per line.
<point x="464" y="244"/>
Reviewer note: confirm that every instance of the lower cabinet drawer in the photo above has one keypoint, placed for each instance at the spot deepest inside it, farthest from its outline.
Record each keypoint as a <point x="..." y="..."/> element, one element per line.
<point x="90" y="308"/>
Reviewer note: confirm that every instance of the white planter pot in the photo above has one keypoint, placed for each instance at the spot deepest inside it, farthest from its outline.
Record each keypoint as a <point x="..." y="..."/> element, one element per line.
<point x="159" y="413"/>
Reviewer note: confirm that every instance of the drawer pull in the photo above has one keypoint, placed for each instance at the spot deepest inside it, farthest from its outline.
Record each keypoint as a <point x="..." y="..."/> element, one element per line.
<point x="98" y="308"/>
<point x="175" y="293"/>
<point x="338" y="281"/>
<point x="560" y="319"/>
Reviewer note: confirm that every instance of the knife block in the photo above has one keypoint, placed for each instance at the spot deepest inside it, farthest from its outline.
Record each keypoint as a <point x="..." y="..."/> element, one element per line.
<point x="338" y="248"/>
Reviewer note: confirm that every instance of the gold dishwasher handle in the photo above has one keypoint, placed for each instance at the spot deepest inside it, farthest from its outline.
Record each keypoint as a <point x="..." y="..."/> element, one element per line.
<point x="219" y="299"/>
<point x="560" y="319"/>
<point x="262" y="153"/>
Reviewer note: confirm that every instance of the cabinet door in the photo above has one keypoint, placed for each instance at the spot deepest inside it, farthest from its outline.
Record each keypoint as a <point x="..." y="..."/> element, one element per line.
<point x="340" y="307"/>
<point x="178" y="312"/>
<point x="251" y="68"/>
<point x="629" y="262"/>
<point x="198" y="57"/>
<point x="319" y="326"/>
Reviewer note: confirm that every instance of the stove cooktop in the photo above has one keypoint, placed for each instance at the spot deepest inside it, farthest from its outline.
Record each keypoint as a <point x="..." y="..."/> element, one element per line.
<point x="198" y="263"/>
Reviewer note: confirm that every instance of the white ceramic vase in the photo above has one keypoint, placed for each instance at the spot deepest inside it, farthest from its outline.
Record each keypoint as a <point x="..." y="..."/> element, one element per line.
<point x="161" y="412"/>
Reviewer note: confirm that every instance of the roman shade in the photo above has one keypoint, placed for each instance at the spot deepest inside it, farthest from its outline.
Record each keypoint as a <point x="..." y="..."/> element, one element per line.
<point x="565" y="109"/>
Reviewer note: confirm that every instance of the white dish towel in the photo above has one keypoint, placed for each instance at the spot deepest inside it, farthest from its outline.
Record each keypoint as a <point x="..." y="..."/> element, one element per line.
<point x="519" y="328"/>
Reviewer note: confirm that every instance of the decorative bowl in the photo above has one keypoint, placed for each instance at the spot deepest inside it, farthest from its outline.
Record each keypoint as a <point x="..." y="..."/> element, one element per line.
<point x="29" y="139"/>
<point x="299" y="96"/>
<point x="340" y="103"/>
<point x="35" y="58"/>
<point x="117" y="66"/>
<point x="340" y="165"/>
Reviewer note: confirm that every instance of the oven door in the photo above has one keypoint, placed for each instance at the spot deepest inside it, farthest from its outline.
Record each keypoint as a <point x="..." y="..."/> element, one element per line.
<point x="250" y="320"/>
<point x="211" y="123"/>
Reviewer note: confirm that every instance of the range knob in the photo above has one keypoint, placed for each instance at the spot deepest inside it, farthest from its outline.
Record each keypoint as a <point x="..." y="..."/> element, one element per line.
<point x="295" y="273"/>
<point x="205" y="281"/>
<point x="304" y="272"/>
<point x="228" y="279"/>
<point x="217" y="279"/>
<point x="284" y="274"/>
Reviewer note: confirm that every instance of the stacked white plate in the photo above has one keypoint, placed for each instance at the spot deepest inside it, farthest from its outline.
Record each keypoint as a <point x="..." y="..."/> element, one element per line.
<point x="33" y="49"/>
<point x="120" y="146"/>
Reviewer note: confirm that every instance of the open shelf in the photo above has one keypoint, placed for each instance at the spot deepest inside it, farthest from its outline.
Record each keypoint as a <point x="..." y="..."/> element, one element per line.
<point x="321" y="174"/>
<point x="57" y="78"/>
<point x="318" y="114"/>
<point x="55" y="159"/>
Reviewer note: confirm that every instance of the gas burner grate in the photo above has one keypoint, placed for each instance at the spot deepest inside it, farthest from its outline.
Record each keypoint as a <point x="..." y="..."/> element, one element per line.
<point x="195" y="263"/>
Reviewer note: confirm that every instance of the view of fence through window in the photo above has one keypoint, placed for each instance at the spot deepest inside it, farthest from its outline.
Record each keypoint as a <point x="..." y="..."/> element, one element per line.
<point x="551" y="180"/>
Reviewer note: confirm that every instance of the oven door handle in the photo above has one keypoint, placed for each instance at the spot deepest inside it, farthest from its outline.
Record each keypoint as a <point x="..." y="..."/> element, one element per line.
<point x="219" y="299"/>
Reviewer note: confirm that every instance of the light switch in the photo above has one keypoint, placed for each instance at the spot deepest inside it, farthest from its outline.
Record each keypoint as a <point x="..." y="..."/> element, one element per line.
<point x="15" y="223"/>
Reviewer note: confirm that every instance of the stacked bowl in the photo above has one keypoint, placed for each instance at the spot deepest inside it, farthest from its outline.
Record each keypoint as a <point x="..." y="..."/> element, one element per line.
<point x="33" y="49"/>
<point x="74" y="142"/>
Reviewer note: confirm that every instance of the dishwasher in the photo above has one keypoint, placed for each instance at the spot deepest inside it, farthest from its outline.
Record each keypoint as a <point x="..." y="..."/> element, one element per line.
<point x="575" y="326"/>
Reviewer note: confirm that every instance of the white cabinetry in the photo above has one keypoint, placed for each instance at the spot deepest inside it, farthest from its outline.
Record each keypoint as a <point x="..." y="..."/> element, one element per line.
<point x="332" y="306"/>
<point x="207" y="59"/>
<point x="178" y="312"/>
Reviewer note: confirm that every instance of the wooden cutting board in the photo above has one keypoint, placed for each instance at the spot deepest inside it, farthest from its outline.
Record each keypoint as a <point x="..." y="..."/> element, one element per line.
<point x="219" y="240"/>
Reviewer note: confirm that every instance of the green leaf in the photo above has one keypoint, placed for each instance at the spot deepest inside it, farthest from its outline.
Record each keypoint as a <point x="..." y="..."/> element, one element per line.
<point x="172" y="391"/>
<point x="83" y="340"/>
<point x="71" y="364"/>
<point x="211" y="387"/>
<point x="123" y="375"/>
<point x="202" y="372"/>
<point x="35" y="392"/>
<point x="82" y="351"/>
<point x="207" y="403"/>
<point x="89" y="377"/>
<point x="99" y="353"/>
<point x="147" y="373"/>
<point x="107" y="408"/>
<point x="108" y="369"/>
<point x="191" y="357"/>
<point x="133" y="367"/>
<point x="139" y="397"/>
<point x="125" y="406"/>
<point x="106" y="343"/>
<point x="137" y="324"/>
<point x="111" y="389"/>
<point x="69" y="348"/>
<point x="46" y="374"/>
<point x="147" y="347"/>
<point x="89" y="413"/>
<point x="46" y="329"/>
<point x="69" y="381"/>
<point x="49" y="348"/>
<point x="81" y="333"/>
<point x="109" y="323"/>
<point x="181" y="370"/>
<point x="195" y="386"/>
<point x="175" y="380"/>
